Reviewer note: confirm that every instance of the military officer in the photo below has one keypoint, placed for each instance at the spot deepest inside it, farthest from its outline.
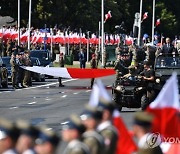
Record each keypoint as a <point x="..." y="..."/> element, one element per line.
<point x="27" y="74"/>
<point x="8" y="137"/>
<point x="47" y="141"/>
<point x="93" y="64"/>
<point x="105" y="128"/>
<point x="142" y="130"/>
<point x="91" y="117"/>
<point x="14" y="70"/>
<point x="71" y="133"/>
<point x="28" y="135"/>
<point x="61" y="64"/>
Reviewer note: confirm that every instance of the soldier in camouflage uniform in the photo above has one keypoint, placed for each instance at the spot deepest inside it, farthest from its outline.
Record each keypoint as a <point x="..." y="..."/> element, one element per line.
<point x="27" y="74"/>
<point x="93" y="64"/>
<point x="71" y="133"/>
<point x="106" y="129"/>
<point x="119" y="67"/>
<point x="14" y="70"/>
<point x="91" y="118"/>
<point x="61" y="64"/>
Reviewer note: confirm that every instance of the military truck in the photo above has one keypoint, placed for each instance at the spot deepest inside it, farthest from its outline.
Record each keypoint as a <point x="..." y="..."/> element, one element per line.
<point x="164" y="66"/>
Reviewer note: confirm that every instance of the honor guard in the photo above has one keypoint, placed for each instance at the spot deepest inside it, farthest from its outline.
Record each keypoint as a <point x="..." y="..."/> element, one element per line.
<point x="91" y="117"/>
<point x="105" y="128"/>
<point x="71" y="133"/>
<point x="8" y="137"/>
<point x="27" y="74"/>
<point x="28" y="135"/>
<point x="47" y="141"/>
<point x="14" y="70"/>
<point x="142" y="131"/>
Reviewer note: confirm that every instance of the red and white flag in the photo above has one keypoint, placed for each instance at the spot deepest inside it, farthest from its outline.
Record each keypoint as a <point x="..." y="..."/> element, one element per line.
<point x="145" y="16"/>
<point x="166" y="109"/>
<point x="70" y="73"/>
<point x="125" y="143"/>
<point x="158" y="22"/>
<point x="107" y="16"/>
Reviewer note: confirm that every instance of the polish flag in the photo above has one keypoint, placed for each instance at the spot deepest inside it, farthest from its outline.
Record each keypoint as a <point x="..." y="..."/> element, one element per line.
<point x="145" y="16"/>
<point x="158" y="22"/>
<point x="166" y="109"/>
<point x="107" y="16"/>
<point x="125" y="143"/>
<point x="71" y="72"/>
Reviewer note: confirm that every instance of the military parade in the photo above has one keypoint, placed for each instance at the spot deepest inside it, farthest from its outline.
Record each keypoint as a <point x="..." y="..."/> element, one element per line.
<point x="79" y="77"/>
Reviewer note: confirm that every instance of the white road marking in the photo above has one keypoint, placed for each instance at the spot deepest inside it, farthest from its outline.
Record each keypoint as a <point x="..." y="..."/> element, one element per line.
<point x="109" y="86"/>
<point x="49" y="129"/>
<point x="49" y="84"/>
<point x="15" y="107"/>
<point x="32" y="103"/>
<point x="88" y="91"/>
<point x="75" y="93"/>
<point x="64" y="96"/>
<point x="47" y="99"/>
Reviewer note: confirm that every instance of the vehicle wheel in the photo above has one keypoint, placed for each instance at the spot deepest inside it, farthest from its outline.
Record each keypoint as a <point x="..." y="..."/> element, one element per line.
<point x="144" y="102"/>
<point x="5" y="84"/>
<point x="117" y="101"/>
<point x="42" y="79"/>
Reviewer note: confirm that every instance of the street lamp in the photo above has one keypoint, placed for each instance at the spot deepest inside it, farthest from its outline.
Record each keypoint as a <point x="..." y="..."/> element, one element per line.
<point x="102" y="31"/>
<point x="29" y="25"/>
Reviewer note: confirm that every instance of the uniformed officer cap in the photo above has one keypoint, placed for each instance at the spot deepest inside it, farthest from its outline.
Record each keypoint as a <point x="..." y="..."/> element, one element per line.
<point x="74" y="122"/>
<point x="91" y="112"/>
<point x="47" y="135"/>
<point x="27" y="129"/>
<point x="8" y="129"/>
<point x="105" y="104"/>
<point x="143" y="119"/>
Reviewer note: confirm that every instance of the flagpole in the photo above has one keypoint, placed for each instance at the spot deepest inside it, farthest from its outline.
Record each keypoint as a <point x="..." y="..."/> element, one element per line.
<point x="29" y="25"/>
<point x="153" y="20"/>
<point x="140" y="18"/>
<point x="18" y="22"/>
<point x="99" y="37"/>
<point x="102" y="31"/>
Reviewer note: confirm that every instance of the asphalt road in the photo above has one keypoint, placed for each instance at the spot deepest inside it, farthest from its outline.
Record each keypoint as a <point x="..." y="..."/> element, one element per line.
<point x="50" y="105"/>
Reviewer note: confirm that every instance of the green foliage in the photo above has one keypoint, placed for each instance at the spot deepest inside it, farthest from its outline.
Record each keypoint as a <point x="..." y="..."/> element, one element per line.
<point x="86" y="14"/>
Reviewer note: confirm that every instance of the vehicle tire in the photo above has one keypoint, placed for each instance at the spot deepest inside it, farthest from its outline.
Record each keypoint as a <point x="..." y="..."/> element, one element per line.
<point x="116" y="98"/>
<point x="5" y="84"/>
<point x="42" y="79"/>
<point x="144" y="102"/>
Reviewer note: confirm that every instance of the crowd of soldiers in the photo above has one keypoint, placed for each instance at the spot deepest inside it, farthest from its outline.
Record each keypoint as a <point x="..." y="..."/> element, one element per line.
<point x="20" y="77"/>
<point x="91" y="132"/>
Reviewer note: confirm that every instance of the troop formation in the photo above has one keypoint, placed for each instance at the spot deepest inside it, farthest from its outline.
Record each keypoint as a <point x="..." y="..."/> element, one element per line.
<point x="91" y="132"/>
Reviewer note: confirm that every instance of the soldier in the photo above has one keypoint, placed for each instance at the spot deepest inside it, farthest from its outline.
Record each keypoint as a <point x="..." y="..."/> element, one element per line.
<point x="14" y="70"/>
<point x="141" y="128"/>
<point x="93" y="64"/>
<point x="21" y="70"/>
<point x="47" y="141"/>
<point x="148" y="75"/>
<point x="82" y="59"/>
<point x="119" y="67"/>
<point x="105" y="128"/>
<point x="91" y="118"/>
<point x="8" y="137"/>
<point x="28" y="135"/>
<point x="61" y="64"/>
<point x="71" y="133"/>
<point x="27" y="74"/>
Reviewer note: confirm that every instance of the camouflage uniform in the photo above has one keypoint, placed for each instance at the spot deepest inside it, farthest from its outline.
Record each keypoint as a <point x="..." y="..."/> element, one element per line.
<point x="94" y="141"/>
<point x="27" y="75"/>
<point x="14" y="70"/>
<point x="93" y="64"/>
<point x="109" y="133"/>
